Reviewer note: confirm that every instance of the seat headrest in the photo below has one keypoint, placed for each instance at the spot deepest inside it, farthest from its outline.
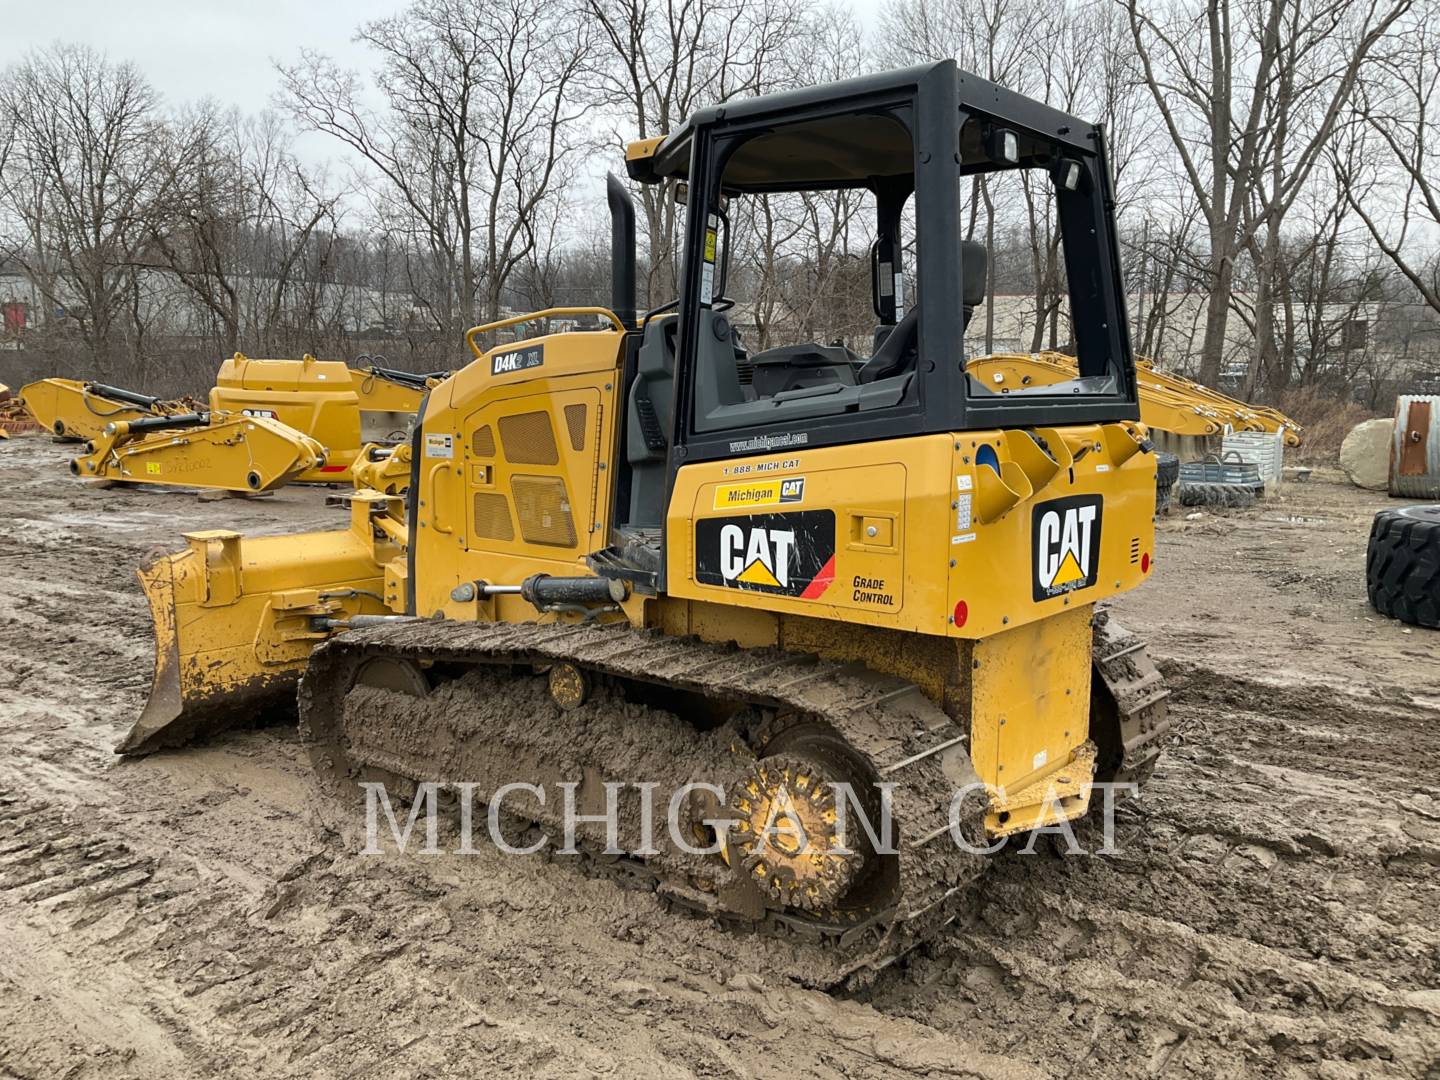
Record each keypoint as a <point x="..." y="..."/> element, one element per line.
<point x="974" y="265"/>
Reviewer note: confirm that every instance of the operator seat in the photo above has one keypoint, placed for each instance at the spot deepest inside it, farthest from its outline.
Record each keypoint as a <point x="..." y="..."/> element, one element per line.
<point x="897" y="351"/>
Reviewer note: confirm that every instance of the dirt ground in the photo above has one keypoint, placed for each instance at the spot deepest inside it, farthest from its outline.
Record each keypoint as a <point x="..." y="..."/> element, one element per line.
<point x="1274" y="909"/>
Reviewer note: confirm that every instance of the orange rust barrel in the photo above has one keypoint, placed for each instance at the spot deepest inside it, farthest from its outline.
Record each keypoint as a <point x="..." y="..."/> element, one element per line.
<point x="1415" y="449"/>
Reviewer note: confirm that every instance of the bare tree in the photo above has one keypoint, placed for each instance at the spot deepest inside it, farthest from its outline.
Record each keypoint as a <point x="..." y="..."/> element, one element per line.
<point x="795" y="251"/>
<point x="235" y="229"/>
<point x="477" y="131"/>
<point x="1250" y="96"/>
<point x="84" y="172"/>
<point x="664" y="61"/>
<point x="1396" y="115"/>
<point x="991" y="38"/>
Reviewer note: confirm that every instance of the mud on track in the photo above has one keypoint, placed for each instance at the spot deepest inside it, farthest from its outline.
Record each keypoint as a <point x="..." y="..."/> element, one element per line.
<point x="1273" y="909"/>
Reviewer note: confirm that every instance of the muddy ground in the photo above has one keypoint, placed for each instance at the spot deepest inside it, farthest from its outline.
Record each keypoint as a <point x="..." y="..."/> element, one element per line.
<point x="1274" y="909"/>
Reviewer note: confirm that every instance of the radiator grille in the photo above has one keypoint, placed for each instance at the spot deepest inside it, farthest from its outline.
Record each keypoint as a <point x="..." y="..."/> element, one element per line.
<point x="575" y="421"/>
<point x="492" y="516"/>
<point x="544" y="510"/>
<point x="528" y="439"/>
<point x="482" y="443"/>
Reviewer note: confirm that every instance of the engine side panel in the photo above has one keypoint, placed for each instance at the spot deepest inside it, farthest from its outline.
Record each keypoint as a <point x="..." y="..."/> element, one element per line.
<point x="963" y="536"/>
<point x="515" y="470"/>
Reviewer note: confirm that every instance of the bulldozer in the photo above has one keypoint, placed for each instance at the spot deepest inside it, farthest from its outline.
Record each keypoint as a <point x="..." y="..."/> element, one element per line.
<point x="832" y="585"/>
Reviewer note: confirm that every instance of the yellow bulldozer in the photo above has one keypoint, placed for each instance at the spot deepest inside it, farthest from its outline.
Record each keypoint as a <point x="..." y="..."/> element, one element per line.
<point x="268" y="423"/>
<point x="644" y="553"/>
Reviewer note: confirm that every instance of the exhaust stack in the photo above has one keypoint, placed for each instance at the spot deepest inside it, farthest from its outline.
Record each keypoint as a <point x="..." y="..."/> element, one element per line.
<point x="622" y="249"/>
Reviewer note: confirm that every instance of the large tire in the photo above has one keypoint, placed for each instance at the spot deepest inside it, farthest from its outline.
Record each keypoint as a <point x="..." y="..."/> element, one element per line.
<point x="1402" y="567"/>
<point x="1227" y="496"/>
<point x="1167" y="471"/>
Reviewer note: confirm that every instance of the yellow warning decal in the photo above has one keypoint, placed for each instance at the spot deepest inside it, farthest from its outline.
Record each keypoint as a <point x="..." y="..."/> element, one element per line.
<point x="153" y="468"/>
<point x="790" y="489"/>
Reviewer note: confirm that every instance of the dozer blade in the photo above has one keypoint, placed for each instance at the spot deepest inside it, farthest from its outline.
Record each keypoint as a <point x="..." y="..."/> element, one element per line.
<point x="193" y="698"/>
<point x="236" y="620"/>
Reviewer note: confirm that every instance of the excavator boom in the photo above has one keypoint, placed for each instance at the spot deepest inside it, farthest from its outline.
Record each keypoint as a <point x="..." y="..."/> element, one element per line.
<point x="70" y="409"/>
<point x="220" y="451"/>
<point x="1168" y="402"/>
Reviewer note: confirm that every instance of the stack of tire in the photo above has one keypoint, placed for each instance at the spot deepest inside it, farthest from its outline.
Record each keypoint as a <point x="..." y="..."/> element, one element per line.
<point x="1402" y="566"/>
<point x="1224" y="496"/>
<point x="1167" y="472"/>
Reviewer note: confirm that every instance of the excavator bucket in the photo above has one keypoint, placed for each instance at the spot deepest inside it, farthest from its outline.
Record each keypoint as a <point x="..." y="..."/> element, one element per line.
<point x="236" y="619"/>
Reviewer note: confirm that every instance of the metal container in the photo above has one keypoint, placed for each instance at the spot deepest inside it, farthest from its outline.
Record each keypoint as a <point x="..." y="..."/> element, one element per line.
<point x="1415" y="447"/>
<point x="1263" y="449"/>
<point x="1230" y="470"/>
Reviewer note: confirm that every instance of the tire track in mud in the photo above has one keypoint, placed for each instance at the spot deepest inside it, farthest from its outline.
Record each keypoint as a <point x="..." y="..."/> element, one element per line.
<point x="1274" y="908"/>
<point x="179" y="916"/>
<point x="357" y="969"/>
<point x="206" y="970"/>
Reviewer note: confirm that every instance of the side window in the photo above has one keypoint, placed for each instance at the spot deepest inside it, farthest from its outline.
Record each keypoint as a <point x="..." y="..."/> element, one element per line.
<point x="1024" y="307"/>
<point x="802" y="289"/>
<point x="1037" y="326"/>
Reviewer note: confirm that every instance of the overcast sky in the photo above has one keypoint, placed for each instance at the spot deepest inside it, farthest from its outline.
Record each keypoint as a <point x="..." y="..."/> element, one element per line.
<point x="224" y="49"/>
<point x="191" y="49"/>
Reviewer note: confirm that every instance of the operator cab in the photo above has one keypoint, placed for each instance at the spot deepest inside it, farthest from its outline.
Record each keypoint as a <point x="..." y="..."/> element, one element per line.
<point x="873" y="351"/>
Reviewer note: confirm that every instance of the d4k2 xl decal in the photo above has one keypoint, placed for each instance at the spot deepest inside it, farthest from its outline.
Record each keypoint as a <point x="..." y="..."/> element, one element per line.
<point x="1065" y="539"/>
<point x="785" y="554"/>
<point x="504" y="363"/>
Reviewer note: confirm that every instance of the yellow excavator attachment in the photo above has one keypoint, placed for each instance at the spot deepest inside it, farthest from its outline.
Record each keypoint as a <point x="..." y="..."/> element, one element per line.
<point x="70" y="409"/>
<point x="236" y="619"/>
<point x="1241" y="415"/>
<point x="389" y="400"/>
<point x="271" y="422"/>
<point x="1168" y="402"/>
<point x="340" y="407"/>
<point x="383" y="468"/>
<point x="220" y="451"/>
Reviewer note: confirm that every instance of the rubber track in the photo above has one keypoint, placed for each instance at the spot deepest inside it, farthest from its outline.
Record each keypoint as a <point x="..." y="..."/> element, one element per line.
<point x="1138" y="690"/>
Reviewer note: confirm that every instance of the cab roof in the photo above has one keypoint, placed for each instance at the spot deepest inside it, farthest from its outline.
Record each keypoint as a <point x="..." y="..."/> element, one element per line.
<point x="849" y="149"/>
